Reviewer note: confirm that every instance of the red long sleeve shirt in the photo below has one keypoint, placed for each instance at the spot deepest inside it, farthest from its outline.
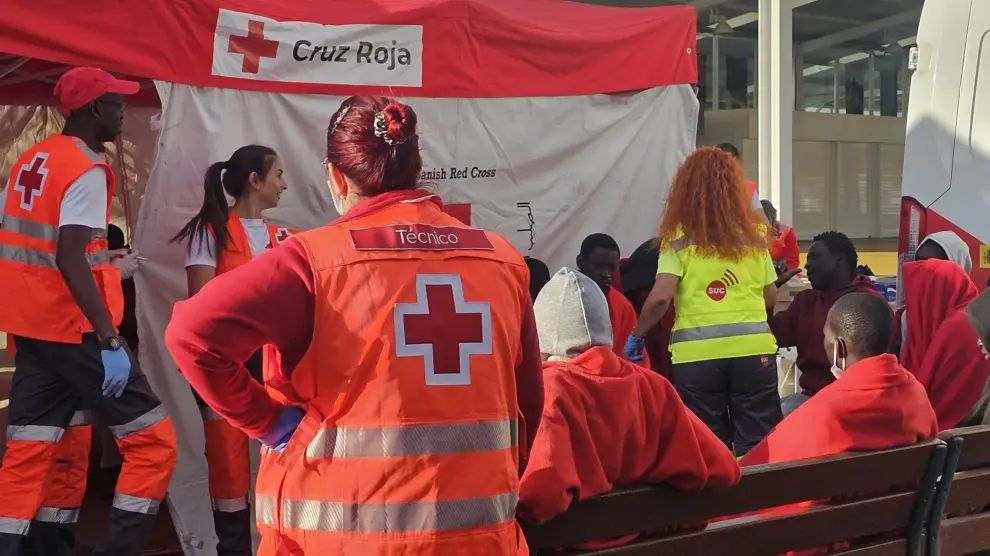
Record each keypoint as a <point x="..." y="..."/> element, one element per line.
<point x="272" y="301"/>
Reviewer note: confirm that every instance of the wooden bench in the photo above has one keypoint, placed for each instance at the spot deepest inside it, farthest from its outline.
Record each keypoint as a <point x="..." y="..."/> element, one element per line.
<point x="900" y="484"/>
<point x="961" y="512"/>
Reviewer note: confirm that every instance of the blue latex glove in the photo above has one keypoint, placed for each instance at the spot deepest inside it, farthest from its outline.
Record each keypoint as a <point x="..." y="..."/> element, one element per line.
<point x="635" y="347"/>
<point x="281" y="432"/>
<point x="116" y="370"/>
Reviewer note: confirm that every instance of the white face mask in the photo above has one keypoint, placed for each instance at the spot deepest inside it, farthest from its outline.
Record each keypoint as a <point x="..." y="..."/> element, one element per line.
<point x="338" y="202"/>
<point x="839" y="366"/>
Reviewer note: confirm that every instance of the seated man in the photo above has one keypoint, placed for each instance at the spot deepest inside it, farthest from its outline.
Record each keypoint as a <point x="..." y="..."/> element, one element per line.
<point x="875" y="403"/>
<point x="606" y="422"/>
<point x="831" y="269"/>
<point x="599" y="260"/>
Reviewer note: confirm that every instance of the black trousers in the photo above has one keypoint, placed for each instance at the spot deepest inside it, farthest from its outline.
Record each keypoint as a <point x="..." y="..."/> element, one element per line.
<point x="51" y="381"/>
<point x="737" y="397"/>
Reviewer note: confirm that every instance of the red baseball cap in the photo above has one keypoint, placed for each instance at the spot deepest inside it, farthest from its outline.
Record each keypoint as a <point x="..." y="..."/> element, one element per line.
<point x="80" y="86"/>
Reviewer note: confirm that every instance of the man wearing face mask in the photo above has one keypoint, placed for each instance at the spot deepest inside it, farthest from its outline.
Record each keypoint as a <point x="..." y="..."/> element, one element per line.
<point x="875" y="403"/>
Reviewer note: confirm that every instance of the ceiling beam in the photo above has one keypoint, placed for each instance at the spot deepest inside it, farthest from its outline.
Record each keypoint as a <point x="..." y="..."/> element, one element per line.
<point x="34" y="76"/>
<point x="705" y="4"/>
<point x="836" y="39"/>
<point x="12" y="67"/>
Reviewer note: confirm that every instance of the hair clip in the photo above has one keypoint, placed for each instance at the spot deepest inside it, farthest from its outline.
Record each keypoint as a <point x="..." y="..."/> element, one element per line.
<point x="340" y="116"/>
<point x="381" y="130"/>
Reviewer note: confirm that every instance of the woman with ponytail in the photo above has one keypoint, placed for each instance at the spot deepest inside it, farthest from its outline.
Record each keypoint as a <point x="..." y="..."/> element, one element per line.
<point x="221" y="238"/>
<point x="411" y="368"/>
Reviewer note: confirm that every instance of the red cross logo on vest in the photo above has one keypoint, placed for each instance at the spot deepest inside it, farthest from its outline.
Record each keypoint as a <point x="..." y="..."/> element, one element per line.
<point x="281" y="235"/>
<point x="31" y="180"/>
<point x="443" y="329"/>
<point x="253" y="47"/>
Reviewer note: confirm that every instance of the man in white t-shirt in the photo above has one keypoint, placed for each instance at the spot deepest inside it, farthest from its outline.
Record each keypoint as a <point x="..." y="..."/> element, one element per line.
<point x="53" y="253"/>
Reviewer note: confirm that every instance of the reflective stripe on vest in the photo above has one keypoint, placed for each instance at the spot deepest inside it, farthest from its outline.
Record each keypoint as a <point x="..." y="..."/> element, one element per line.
<point x="44" y="232"/>
<point x="414" y="440"/>
<point x="718" y="331"/>
<point x="406" y="517"/>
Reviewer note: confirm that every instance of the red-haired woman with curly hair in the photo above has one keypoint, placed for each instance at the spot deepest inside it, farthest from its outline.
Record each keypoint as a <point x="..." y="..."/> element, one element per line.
<point x="715" y="266"/>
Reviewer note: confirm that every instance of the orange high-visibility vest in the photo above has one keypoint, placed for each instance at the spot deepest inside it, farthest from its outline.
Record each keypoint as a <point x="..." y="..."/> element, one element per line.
<point x="750" y="189"/>
<point x="238" y="251"/>
<point x="40" y="305"/>
<point x="410" y="443"/>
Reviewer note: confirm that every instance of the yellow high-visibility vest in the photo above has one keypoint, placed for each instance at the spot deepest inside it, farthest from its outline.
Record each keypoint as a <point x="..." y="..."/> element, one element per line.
<point x="721" y="312"/>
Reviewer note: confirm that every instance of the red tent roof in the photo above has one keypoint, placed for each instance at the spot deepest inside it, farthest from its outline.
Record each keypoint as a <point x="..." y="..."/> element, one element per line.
<point x="426" y="48"/>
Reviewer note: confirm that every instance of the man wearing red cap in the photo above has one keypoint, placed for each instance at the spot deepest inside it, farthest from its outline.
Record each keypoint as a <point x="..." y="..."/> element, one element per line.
<point x="64" y="301"/>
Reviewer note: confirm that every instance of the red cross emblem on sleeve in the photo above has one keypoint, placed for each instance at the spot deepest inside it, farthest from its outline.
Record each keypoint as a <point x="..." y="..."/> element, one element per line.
<point x="31" y="180"/>
<point x="281" y="235"/>
<point x="444" y="329"/>
<point x="253" y="47"/>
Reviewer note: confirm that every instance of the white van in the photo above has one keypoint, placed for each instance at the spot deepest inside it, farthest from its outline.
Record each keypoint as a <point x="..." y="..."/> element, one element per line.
<point x="946" y="183"/>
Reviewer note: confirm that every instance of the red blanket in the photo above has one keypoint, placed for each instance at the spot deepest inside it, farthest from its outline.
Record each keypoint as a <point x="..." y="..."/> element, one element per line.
<point x="607" y="422"/>
<point x="876" y="405"/>
<point x="941" y="347"/>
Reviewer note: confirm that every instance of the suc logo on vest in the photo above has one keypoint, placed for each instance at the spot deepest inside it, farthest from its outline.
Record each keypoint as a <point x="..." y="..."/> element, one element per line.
<point x="717" y="290"/>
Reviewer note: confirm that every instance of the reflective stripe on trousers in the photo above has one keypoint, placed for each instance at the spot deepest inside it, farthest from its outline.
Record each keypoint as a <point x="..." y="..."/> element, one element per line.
<point x="714" y="331"/>
<point x="57" y="515"/>
<point x="413" y="440"/>
<point x="34" y="433"/>
<point x="341" y="517"/>
<point x="143" y="422"/>
<point x="230" y="505"/>
<point x="135" y="504"/>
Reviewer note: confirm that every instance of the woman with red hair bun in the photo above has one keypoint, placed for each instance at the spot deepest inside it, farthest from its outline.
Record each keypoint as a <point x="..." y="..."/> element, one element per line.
<point x="715" y="266"/>
<point x="409" y="362"/>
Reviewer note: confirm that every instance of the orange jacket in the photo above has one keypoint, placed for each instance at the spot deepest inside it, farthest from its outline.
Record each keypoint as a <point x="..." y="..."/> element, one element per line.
<point x="785" y="247"/>
<point x="409" y="444"/>
<point x="43" y="307"/>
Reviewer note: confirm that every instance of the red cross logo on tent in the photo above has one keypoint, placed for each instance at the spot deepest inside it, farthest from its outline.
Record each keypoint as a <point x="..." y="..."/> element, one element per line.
<point x="443" y="329"/>
<point x="31" y="180"/>
<point x="253" y="47"/>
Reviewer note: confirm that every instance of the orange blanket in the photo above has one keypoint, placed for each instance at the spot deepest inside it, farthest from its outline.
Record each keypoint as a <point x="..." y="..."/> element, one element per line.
<point x="606" y="423"/>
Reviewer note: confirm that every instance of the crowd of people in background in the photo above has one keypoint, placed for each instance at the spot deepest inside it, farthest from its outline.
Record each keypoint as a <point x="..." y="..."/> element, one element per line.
<point x="435" y="392"/>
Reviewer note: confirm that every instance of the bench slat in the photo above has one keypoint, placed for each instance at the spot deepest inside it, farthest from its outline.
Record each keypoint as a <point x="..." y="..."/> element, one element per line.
<point x="660" y="507"/>
<point x="970" y="492"/>
<point x="965" y="535"/>
<point x="976" y="446"/>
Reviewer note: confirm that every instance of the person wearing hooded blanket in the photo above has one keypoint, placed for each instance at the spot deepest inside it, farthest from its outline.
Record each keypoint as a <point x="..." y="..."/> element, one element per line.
<point x="606" y="422"/>
<point x="874" y="403"/>
<point x="978" y="315"/>
<point x="946" y="246"/>
<point x="938" y="344"/>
